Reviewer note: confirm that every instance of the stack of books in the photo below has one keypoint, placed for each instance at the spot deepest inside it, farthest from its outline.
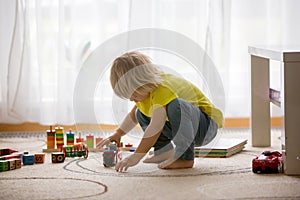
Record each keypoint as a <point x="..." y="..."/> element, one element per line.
<point x="224" y="147"/>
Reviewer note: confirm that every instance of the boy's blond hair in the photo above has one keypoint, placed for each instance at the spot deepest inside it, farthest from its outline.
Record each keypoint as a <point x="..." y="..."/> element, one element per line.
<point x="133" y="72"/>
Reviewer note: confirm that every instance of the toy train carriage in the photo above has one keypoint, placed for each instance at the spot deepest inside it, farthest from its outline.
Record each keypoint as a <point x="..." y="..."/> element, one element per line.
<point x="76" y="150"/>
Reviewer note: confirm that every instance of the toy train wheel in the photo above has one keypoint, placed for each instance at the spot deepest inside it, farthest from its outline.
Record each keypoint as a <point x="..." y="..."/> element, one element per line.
<point x="64" y="151"/>
<point x="86" y="153"/>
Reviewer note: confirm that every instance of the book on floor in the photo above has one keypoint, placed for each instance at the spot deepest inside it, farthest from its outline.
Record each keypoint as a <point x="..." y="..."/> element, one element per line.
<point x="223" y="148"/>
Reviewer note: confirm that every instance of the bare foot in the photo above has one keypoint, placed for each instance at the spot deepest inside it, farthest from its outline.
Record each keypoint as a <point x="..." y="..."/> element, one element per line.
<point x="172" y="163"/>
<point x="159" y="158"/>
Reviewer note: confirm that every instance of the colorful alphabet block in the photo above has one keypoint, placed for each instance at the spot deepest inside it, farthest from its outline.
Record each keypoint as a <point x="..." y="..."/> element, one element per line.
<point x="18" y="163"/>
<point x="28" y="159"/>
<point x="57" y="157"/>
<point x="11" y="164"/>
<point x="39" y="158"/>
<point x="4" y="165"/>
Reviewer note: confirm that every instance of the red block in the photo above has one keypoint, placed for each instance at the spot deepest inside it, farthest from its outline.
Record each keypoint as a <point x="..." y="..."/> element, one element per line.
<point x="7" y="151"/>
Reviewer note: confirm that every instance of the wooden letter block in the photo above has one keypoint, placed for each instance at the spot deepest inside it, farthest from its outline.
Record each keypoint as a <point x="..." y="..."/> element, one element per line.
<point x="58" y="157"/>
<point x="28" y="159"/>
<point x="11" y="164"/>
<point x="39" y="158"/>
<point x="3" y="165"/>
<point x="18" y="163"/>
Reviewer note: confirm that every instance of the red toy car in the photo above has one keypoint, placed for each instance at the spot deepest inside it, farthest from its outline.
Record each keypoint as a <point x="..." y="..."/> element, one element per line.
<point x="268" y="162"/>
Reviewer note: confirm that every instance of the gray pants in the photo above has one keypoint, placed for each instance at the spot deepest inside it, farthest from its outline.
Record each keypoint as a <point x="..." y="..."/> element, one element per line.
<point x="187" y="127"/>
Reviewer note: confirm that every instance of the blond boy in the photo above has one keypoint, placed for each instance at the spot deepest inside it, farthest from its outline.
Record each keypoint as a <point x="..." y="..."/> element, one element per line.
<point x="173" y="113"/>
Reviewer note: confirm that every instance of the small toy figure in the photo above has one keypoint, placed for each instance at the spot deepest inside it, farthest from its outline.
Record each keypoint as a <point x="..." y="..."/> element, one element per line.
<point x="112" y="155"/>
<point x="268" y="162"/>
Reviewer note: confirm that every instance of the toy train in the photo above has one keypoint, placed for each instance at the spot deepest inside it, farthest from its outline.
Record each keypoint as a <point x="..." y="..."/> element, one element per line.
<point x="76" y="150"/>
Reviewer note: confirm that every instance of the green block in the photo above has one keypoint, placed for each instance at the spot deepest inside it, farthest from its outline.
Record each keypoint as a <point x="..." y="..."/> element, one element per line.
<point x="69" y="148"/>
<point x="90" y="144"/>
<point x="3" y="165"/>
<point x="59" y="135"/>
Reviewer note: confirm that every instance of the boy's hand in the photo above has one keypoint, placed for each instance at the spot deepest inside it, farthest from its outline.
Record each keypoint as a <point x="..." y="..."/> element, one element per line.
<point x="115" y="137"/>
<point x="128" y="162"/>
<point x="103" y="143"/>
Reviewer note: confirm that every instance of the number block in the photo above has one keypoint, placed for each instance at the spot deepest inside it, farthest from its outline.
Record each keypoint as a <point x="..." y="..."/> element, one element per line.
<point x="39" y="158"/>
<point x="11" y="164"/>
<point x="58" y="157"/>
<point x="18" y="163"/>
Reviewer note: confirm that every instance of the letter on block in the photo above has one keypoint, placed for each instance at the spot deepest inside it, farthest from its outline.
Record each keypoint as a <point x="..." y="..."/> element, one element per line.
<point x="58" y="157"/>
<point x="39" y="158"/>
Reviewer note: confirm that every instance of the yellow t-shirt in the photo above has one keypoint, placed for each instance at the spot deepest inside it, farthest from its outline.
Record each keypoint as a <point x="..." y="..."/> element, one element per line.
<point x="173" y="87"/>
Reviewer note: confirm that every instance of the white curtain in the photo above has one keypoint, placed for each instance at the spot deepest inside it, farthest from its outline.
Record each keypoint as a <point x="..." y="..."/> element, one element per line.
<point x="44" y="43"/>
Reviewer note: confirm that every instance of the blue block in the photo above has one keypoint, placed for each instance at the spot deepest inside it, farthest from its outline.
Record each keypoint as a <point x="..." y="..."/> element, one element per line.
<point x="132" y="149"/>
<point x="28" y="159"/>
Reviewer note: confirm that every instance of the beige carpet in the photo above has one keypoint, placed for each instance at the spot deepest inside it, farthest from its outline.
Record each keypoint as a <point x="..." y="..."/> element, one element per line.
<point x="211" y="178"/>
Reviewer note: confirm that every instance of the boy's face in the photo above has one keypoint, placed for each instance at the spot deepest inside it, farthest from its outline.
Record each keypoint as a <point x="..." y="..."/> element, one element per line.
<point x="136" y="97"/>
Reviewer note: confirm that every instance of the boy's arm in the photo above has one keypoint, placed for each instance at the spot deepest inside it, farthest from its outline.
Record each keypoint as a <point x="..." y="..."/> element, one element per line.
<point x="151" y="134"/>
<point x="127" y="124"/>
<point x="153" y="131"/>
